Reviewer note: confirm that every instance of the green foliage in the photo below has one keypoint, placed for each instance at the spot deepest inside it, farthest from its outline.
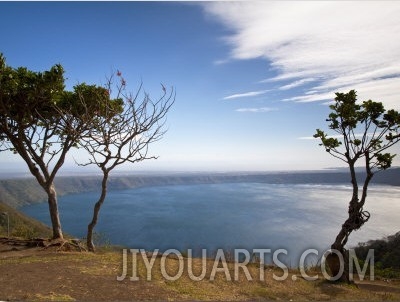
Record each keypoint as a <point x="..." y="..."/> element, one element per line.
<point x="90" y="100"/>
<point x="30" y="99"/>
<point x="386" y="255"/>
<point x="21" y="225"/>
<point x="345" y="111"/>
<point x="365" y="130"/>
<point x="24" y="93"/>
<point x="328" y="142"/>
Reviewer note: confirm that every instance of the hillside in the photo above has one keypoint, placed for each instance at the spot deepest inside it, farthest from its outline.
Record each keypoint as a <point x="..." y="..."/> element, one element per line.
<point x="20" y="224"/>
<point x="386" y="254"/>
<point x="18" y="192"/>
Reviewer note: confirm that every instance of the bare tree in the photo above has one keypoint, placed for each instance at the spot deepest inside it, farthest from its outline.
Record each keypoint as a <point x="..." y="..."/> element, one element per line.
<point x="123" y="134"/>
<point x="363" y="133"/>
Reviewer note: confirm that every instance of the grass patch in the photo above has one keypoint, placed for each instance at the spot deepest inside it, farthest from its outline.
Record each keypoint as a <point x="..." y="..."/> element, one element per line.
<point x="52" y="297"/>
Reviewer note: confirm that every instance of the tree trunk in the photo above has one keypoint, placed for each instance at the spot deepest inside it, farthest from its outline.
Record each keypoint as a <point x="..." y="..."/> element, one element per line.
<point x="333" y="260"/>
<point x="334" y="264"/>
<point x="96" y="210"/>
<point x="351" y="224"/>
<point x="54" y="215"/>
<point x="357" y="217"/>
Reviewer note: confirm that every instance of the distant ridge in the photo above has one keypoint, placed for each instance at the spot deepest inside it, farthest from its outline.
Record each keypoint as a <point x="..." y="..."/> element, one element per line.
<point x="18" y="192"/>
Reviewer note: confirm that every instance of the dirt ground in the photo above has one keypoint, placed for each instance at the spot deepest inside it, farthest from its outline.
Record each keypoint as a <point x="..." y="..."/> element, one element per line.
<point x="45" y="274"/>
<point x="36" y="273"/>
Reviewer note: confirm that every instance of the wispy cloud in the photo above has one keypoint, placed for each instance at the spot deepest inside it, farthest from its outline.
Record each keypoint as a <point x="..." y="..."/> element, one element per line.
<point x="222" y="61"/>
<point x="348" y="44"/>
<point x="256" y="110"/>
<point x="246" y="94"/>
<point x="369" y="135"/>
<point x="297" y="83"/>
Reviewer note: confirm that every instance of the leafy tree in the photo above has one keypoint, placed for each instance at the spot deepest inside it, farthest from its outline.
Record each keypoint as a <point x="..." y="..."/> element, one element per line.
<point x="41" y="121"/>
<point x="123" y="136"/>
<point x="364" y="133"/>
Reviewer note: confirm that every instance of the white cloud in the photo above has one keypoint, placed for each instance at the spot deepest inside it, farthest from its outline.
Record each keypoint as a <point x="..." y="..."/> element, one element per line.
<point x="343" y="44"/>
<point x="246" y="94"/>
<point x="382" y="90"/>
<point x="221" y="62"/>
<point x="369" y="135"/>
<point x="297" y="83"/>
<point x="256" y="110"/>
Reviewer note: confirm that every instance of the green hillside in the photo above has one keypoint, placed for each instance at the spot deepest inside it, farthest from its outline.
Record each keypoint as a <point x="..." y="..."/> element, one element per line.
<point x="386" y="254"/>
<point x="20" y="224"/>
<point x="18" y="192"/>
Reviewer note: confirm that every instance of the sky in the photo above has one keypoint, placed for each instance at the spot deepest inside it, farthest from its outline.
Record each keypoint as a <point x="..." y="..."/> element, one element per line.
<point x="253" y="80"/>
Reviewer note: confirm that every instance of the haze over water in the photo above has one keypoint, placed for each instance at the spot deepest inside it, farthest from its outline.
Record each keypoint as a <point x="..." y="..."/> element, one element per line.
<point x="211" y="216"/>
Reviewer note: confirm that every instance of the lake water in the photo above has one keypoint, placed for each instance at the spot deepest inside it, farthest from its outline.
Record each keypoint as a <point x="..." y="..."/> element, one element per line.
<point x="244" y="215"/>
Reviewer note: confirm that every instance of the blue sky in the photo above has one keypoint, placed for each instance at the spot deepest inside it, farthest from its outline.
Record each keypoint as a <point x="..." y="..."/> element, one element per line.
<point x="252" y="78"/>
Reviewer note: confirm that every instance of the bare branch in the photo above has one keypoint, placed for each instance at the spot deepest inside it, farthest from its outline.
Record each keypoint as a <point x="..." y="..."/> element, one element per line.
<point x="123" y="133"/>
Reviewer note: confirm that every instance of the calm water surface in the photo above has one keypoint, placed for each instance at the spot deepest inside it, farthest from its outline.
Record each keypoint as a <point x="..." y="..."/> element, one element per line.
<point x="245" y="215"/>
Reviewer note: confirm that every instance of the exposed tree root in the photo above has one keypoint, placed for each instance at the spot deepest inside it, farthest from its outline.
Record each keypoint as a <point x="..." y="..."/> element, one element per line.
<point x="60" y="244"/>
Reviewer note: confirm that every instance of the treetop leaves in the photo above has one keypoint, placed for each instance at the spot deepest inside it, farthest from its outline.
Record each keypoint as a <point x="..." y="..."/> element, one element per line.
<point x="378" y="130"/>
